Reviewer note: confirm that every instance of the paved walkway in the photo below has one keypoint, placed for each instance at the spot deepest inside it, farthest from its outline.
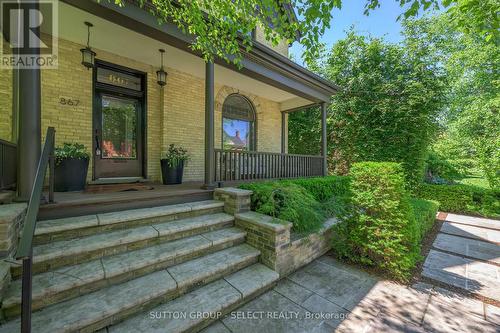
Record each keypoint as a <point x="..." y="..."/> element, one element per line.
<point x="466" y="254"/>
<point x="328" y="296"/>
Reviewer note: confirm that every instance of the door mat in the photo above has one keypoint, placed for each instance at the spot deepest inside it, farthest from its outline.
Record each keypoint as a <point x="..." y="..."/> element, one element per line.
<point x="108" y="188"/>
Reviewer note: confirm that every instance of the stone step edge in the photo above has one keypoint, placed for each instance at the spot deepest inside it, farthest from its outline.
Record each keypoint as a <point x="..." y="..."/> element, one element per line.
<point x="471" y="223"/>
<point x="468" y="293"/>
<point x="484" y="261"/>
<point x="471" y="238"/>
<point x="452" y="287"/>
<point x="11" y="306"/>
<point x="246" y="294"/>
<point x="144" y="304"/>
<point x="98" y="252"/>
<point x="106" y="220"/>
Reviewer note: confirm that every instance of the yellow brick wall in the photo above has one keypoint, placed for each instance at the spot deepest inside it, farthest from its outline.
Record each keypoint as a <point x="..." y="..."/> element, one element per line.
<point x="74" y="123"/>
<point x="6" y="104"/>
<point x="184" y="122"/>
<point x="281" y="48"/>
<point x="176" y="117"/>
<point x="184" y="119"/>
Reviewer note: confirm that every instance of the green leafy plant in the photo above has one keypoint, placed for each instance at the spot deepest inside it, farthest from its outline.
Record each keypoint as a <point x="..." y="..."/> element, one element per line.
<point x="175" y="156"/>
<point x="425" y="214"/>
<point x="70" y="150"/>
<point x="289" y="202"/>
<point x="379" y="229"/>
<point x="221" y="27"/>
<point x="386" y="110"/>
<point x="470" y="117"/>
<point x="323" y="188"/>
<point x="437" y="166"/>
<point x="463" y="199"/>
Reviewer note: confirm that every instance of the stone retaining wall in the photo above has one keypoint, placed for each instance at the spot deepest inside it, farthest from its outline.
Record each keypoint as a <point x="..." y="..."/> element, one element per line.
<point x="272" y="236"/>
<point x="278" y="251"/>
<point x="11" y="219"/>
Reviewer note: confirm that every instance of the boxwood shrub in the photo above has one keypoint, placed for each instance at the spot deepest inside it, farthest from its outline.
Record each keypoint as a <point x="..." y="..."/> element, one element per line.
<point x="380" y="228"/>
<point x="425" y="214"/>
<point x="463" y="199"/>
<point x="324" y="188"/>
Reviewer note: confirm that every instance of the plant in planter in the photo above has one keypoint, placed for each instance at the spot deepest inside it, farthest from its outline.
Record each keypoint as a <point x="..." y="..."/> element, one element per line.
<point x="72" y="164"/>
<point x="172" y="164"/>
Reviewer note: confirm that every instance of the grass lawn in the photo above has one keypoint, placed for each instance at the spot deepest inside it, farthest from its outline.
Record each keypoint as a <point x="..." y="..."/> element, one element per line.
<point x="475" y="180"/>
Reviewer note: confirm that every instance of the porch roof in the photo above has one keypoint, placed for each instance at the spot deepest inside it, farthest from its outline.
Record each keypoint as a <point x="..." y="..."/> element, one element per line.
<point x="261" y="63"/>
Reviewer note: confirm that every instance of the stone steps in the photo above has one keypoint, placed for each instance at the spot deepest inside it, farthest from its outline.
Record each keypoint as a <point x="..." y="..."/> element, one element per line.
<point x="199" y="308"/>
<point x="80" y="226"/>
<point x="476" y="277"/>
<point x="74" y="251"/>
<point x="112" y="304"/>
<point x="73" y="281"/>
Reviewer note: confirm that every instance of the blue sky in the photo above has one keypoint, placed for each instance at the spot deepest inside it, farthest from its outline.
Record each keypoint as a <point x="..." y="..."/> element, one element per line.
<point x="381" y="22"/>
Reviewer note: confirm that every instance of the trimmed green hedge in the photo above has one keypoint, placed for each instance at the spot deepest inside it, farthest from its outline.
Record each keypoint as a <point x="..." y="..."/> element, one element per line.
<point x="379" y="229"/>
<point x="306" y="202"/>
<point x="464" y="199"/>
<point x="323" y="188"/>
<point x="424" y="212"/>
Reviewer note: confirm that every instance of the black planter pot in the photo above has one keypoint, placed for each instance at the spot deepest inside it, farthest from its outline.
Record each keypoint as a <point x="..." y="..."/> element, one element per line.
<point x="171" y="175"/>
<point x="71" y="175"/>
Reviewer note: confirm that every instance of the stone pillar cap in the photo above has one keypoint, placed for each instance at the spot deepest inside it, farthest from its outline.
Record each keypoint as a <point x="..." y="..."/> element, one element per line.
<point x="233" y="191"/>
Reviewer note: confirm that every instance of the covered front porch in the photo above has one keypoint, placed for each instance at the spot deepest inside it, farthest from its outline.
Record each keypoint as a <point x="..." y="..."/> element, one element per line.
<point x="191" y="110"/>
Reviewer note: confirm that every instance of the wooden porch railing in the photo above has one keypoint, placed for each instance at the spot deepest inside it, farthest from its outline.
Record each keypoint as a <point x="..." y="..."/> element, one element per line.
<point x="235" y="165"/>
<point x="8" y="165"/>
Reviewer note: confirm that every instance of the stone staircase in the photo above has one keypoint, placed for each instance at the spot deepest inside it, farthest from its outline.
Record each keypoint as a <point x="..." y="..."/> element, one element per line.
<point x="161" y="269"/>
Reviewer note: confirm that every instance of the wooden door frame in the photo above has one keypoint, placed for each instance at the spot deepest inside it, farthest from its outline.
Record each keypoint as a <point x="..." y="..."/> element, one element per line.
<point x="142" y="96"/>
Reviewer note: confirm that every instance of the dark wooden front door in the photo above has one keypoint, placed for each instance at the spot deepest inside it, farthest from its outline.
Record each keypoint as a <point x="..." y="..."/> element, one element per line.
<point x="118" y="125"/>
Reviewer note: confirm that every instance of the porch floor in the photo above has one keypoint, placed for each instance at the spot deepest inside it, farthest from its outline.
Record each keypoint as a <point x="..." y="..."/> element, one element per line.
<point x="84" y="203"/>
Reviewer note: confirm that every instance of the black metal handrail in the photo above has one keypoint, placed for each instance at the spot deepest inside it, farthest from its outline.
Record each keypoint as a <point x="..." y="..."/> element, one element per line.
<point x="240" y="165"/>
<point x="25" y="248"/>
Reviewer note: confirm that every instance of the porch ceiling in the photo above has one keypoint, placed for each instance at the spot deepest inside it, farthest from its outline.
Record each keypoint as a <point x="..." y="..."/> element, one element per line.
<point x="114" y="38"/>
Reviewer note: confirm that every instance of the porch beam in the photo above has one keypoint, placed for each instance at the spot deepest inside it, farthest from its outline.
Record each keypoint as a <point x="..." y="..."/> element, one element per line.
<point x="209" y="126"/>
<point x="260" y="63"/>
<point x="323" y="139"/>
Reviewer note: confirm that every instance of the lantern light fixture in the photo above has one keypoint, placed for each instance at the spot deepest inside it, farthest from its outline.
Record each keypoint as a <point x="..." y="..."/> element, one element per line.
<point x="161" y="75"/>
<point x="88" y="56"/>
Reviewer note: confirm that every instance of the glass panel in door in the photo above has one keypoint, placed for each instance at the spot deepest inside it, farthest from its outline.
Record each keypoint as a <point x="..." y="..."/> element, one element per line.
<point x="119" y="128"/>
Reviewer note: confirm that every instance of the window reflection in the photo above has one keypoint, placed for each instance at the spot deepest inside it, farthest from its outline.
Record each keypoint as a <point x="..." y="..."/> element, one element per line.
<point x="238" y="123"/>
<point x="119" y="128"/>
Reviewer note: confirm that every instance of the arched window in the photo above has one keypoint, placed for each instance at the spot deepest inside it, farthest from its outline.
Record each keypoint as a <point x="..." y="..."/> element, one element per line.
<point x="238" y="123"/>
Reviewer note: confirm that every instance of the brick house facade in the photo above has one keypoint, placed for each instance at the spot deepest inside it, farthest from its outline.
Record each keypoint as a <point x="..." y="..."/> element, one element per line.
<point x="175" y="113"/>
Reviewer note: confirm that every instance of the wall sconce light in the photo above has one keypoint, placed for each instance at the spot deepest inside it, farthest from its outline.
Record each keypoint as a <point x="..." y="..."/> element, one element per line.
<point x="161" y="75"/>
<point x="88" y="56"/>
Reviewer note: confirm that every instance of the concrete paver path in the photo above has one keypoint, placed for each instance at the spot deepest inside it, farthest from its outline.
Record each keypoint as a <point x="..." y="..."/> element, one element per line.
<point x="466" y="254"/>
<point x="328" y="296"/>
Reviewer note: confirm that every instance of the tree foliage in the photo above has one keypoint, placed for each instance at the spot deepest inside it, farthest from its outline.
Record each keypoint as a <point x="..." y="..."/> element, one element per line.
<point x="470" y="122"/>
<point x="388" y="106"/>
<point x="304" y="131"/>
<point x="223" y="27"/>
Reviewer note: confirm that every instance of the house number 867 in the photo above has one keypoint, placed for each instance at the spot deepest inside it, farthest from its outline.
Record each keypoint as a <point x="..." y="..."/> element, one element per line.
<point x="68" y="101"/>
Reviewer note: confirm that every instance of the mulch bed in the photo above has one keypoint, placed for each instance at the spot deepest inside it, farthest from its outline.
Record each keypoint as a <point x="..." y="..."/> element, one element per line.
<point x="426" y="247"/>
